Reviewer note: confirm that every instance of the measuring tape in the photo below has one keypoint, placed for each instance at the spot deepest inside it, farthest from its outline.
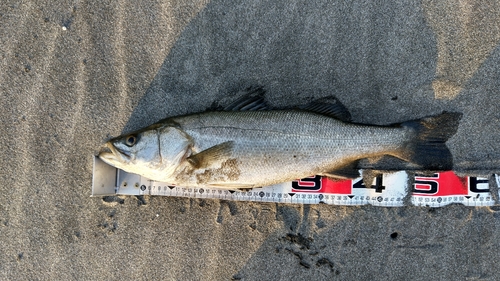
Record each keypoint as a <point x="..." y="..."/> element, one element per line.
<point x="387" y="190"/>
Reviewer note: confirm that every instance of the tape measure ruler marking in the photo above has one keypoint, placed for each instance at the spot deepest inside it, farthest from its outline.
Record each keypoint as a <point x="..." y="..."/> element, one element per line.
<point x="387" y="190"/>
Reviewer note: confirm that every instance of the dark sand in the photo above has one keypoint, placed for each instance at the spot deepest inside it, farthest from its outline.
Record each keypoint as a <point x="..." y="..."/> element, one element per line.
<point x="74" y="72"/>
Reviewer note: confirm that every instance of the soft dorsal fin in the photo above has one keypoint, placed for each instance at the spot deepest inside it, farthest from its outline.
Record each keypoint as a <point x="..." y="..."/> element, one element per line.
<point x="252" y="99"/>
<point x="329" y="106"/>
<point x="210" y="155"/>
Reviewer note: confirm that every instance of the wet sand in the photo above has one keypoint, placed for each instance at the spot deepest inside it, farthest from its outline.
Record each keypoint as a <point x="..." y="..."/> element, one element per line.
<point x="76" y="72"/>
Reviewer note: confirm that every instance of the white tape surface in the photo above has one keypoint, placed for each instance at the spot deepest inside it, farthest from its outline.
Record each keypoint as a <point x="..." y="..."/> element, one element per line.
<point x="388" y="190"/>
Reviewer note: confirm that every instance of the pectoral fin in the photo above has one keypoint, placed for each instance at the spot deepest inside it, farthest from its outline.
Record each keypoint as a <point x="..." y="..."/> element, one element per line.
<point x="211" y="155"/>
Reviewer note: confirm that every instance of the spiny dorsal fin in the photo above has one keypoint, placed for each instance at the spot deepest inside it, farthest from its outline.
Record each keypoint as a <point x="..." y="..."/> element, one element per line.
<point x="252" y="99"/>
<point x="329" y="106"/>
<point x="213" y="154"/>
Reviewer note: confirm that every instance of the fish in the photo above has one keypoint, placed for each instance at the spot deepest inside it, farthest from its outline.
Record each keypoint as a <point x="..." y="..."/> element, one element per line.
<point x="250" y="144"/>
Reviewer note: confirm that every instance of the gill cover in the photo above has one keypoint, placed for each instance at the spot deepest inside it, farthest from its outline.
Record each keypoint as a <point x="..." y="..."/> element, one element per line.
<point x="174" y="147"/>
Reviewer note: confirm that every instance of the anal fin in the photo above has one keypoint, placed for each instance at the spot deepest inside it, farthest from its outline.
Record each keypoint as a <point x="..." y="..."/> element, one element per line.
<point x="239" y="186"/>
<point x="349" y="171"/>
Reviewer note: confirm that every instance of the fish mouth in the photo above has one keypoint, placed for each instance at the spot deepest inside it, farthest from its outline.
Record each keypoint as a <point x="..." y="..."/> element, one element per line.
<point x="122" y="152"/>
<point x="112" y="153"/>
<point x="105" y="150"/>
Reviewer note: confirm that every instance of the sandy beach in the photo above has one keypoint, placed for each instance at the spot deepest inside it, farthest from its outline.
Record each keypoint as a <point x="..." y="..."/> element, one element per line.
<point x="74" y="73"/>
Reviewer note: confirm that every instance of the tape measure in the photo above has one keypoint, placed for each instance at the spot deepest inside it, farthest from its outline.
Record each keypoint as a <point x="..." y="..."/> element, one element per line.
<point x="387" y="190"/>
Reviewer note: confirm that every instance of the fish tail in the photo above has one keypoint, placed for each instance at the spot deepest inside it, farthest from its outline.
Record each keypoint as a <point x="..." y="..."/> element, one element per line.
<point x="427" y="146"/>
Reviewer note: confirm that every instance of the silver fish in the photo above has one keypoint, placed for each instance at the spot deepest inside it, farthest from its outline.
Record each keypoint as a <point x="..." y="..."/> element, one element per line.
<point x="248" y="145"/>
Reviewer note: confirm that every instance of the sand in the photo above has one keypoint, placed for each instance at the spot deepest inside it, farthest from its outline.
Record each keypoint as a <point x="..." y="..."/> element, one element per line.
<point x="74" y="73"/>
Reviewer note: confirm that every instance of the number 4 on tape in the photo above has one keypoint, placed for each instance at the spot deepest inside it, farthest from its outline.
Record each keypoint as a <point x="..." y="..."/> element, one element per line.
<point x="385" y="190"/>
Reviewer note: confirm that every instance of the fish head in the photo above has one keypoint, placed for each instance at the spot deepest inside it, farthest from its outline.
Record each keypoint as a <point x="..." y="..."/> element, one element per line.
<point x="134" y="153"/>
<point x="154" y="153"/>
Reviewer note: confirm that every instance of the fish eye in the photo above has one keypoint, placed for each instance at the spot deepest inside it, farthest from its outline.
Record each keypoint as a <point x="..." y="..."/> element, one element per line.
<point x="130" y="140"/>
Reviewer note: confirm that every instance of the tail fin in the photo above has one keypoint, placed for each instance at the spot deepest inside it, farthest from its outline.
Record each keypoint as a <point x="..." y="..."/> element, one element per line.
<point x="427" y="147"/>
